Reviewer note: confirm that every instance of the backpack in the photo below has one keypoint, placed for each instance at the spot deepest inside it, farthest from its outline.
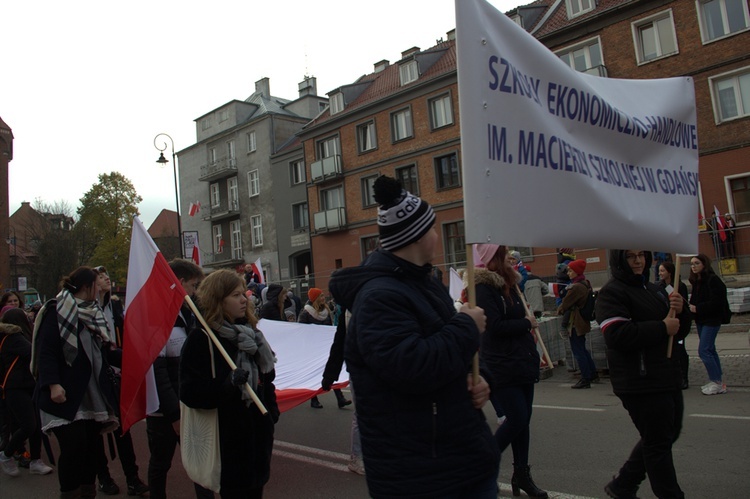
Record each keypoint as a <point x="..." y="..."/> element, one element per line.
<point x="4" y="376"/>
<point x="588" y="311"/>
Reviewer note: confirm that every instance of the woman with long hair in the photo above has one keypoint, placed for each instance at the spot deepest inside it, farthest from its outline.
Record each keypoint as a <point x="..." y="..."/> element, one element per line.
<point x="707" y="302"/>
<point x="509" y="353"/>
<point x="11" y="298"/>
<point x="245" y="435"/>
<point x="666" y="279"/>
<point x="75" y="396"/>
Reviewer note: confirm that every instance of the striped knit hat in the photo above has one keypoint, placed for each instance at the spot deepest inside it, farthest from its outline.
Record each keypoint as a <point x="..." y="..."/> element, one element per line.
<point x="403" y="218"/>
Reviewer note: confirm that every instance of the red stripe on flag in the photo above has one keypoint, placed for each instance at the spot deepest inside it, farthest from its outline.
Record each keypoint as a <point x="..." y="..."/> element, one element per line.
<point x="290" y="398"/>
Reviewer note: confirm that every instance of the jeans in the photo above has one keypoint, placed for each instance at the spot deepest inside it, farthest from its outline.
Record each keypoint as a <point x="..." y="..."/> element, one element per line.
<point x="19" y="404"/>
<point x="486" y="489"/>
<point x="707" y="351"/>
<point x="79" y="445"/>
<point x="516" y="404"/>
<point x="356" y="441"/>
<point x="582" y="356"/>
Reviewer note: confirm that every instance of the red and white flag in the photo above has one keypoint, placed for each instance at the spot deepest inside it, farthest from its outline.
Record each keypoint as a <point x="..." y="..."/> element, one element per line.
<point x="154" y="298"/>
<point x="196" y="255"/>
<point x="258" y="270"/>
<point x="194" y="208"/>
<point x="721" y="226"/>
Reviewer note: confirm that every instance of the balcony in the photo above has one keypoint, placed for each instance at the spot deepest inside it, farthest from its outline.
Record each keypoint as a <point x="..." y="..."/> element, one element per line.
<point x="600" y="70"/>
<point x="326" y="168"/>
<point x="330" y="220"/>
<point x="227" y="209"/>
<point x="221" y="168"/>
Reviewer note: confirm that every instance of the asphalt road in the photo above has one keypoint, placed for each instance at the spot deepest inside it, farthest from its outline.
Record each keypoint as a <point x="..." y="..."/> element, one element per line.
<point x="579" y="439"/>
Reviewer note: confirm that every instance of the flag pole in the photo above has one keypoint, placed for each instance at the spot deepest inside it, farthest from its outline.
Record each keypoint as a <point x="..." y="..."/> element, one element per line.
<point x="472" y="303"/>
<point x="536" y="329"/>
<point x="672" y="313"/>
<point x="224" y="353"/>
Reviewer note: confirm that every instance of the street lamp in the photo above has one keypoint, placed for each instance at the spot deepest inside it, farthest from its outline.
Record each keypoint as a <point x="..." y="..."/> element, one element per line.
<point x="163" y="161"/>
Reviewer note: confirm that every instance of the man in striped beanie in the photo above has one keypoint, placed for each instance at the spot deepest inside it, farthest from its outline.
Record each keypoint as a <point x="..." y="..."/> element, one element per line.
<point x="403" y="218"/>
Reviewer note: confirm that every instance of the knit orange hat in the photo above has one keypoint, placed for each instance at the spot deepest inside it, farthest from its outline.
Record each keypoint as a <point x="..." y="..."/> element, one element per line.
<point x="314" y="293"/>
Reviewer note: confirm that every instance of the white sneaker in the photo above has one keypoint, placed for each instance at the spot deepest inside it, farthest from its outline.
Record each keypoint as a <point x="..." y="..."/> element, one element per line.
<point x="37" y="467"/>
<point x="8" y="465"/>
<point x="501" y="420"/>
<point x="356" y="465"/>
<point x="714" y="389"/>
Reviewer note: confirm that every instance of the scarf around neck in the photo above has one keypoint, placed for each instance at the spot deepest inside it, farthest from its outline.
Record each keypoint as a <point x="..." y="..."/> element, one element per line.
<point x="254" y="354"/>
<point x="70" y="310"/>
<point x="319" y="316"/>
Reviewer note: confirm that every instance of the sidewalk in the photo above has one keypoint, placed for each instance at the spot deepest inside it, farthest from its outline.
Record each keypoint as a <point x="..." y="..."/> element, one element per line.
<point x="734" y="353"/>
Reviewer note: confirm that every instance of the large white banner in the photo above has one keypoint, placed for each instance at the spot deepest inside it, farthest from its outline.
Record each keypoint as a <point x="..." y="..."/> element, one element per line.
<point x="554" y="157"/>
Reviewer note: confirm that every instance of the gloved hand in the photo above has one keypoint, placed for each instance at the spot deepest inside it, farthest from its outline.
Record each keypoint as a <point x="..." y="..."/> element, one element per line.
<point x="326" y="384"/>
<point x="239" y="377"/>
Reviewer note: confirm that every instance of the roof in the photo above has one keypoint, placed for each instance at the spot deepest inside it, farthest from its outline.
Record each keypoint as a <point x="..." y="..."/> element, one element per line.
<point x="165" y="225"/>
<point x="556" y="19"/>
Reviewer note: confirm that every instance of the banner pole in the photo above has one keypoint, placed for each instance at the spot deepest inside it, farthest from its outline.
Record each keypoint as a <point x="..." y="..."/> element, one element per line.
<point x="672" y="313"/>
<point x="224" y="354"/>
<point x="472" y="303"/>
<point x="536" y="329"/>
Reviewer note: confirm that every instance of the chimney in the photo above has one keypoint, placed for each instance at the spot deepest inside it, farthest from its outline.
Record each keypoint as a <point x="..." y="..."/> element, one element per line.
<point x="406" y="53"/>
<point x="263" y="87"/>
<point x="308" y="86"/>
<point x="451" y="34"/>
<point x="381" y="65"/>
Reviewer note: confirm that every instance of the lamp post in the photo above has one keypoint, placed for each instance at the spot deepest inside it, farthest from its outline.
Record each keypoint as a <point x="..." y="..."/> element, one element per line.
<point x="11" y="240"/>
<point x="163" y="161"/>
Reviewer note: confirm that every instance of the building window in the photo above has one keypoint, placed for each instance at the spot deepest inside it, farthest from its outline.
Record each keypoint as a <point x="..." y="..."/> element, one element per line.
<point x="212" y="155"/>
<point x="654" y="37"/>
<point x="328" y="147"/>
<point x="740" y="190"/>
<point x="205" y="124"/>
<point x="731" y="95"/>
<point x="223" y="115"/>
<point x="297" y="172"/>
<point x="525" y="251"/>
<point x="369" y="245"/>
<point x="366" y="136"/>
<point x="256" y="224"/>
<point x="234" y="228"/>
<point x="332" y="198"/>
<point x="720" y="18"/>
<point x="408" y="72"/>
<point x="337" y="103"/>
<point x="250" y="141"/>
<point x="578" y="7"/>
<point x="585" y="57"/>
<point x="455" y="244"/>
<point x="218" y="241"/>
<point x="446" y="171"/>
<point x="230" y="152"/>
<point x="407" y="177"/>
<point x="253" y="183"/>
<point x="441" y="111"/>
<point x="368" y="197"/>
<point x="233" y="194"/>
<point x="215" y="195"/>
<point x="300" y="218"/>
<point x="401" y="125"/>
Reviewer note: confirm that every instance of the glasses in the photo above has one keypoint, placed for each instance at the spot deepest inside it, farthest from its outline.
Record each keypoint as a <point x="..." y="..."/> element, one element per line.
<point x="633" y="257"/>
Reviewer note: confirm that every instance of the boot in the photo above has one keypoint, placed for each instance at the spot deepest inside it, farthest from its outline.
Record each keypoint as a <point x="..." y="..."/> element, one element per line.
<point x="315" y="403"/>
<point x="343" y="402"/>
<point x="136" y="487"/>
<point x="88" y="490"/>
<point x="522" y="480"/>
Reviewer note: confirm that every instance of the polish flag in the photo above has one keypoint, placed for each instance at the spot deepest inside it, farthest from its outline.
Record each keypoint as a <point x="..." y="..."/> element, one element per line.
<point x="196" y="256"/>
<point x="154" y="298"/>
<point x="721" y="226"/>
<point x="194" y="208"/>
<point x="556" y="288"/>
<point x="258" y="270"/>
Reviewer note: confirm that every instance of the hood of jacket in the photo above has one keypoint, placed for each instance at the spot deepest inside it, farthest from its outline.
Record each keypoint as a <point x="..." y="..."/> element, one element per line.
<point x="346" y="283"/>
<point x="9" y="328"/>
<point x="621" y="269"/>
<point x="274" y="290"/>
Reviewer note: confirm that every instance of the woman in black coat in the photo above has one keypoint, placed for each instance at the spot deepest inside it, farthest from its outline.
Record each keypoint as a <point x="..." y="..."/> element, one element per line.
<point x="245" y="435"/>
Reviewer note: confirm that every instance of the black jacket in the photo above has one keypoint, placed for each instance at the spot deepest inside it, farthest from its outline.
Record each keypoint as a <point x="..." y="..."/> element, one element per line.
<point x="508" y="350"/>
<point x="270" y="309"/>
<point x="630" y="311"/>
<point x="710" y="298"/>
<point x="15" y="374"/>
<point x="408" y="354"/>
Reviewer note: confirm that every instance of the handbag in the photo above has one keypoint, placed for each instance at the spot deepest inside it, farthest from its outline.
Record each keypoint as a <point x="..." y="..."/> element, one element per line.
<point x="199" y="441"/>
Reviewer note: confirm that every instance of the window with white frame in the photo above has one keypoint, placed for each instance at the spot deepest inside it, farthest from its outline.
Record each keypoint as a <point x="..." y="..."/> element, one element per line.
<point x="369" y="245"/>
<point x="446" y="171"/>
<point x="300" y="218"/>
<point x="212" y="155"/>
<point x="230" y="150"/>
<point x="407" y="177"/>
<point x="441" y="111"/>
<point x="401" y="126"/>
<point x="366" y="136"/>
<point x="332" y="198"/>
<point x="251" y="145"/>
<point x="253" y="183"/>
<point x="740" y="191"/>
<point x="408" y="72"/>
<point x="217" y="239"/>
<point x="455" y="243"/>
<point x="368" y="195"/>
<point x="731" y="94"/>
<point x="215" y="195"/>
<point x="720" y="18"/>
<point x="578" y="7"/>
<point x="328" y="147"/>
<point x="297" y="172"/>
<point x="256" y="225"/>
<point x="337" y="103"/>
<point x="654" y="37"/>
<point x="234" y="228"/>
<point x="585" y="57"/>
<point x="233" y="194"/>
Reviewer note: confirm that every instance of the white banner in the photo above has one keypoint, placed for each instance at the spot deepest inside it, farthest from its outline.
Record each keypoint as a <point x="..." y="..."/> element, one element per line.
<point x="554" y="157"/>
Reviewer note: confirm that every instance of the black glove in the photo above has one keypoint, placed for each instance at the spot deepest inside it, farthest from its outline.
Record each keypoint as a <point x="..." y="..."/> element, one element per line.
<point x="239" y="377"/>
<point x="326" y="384"/>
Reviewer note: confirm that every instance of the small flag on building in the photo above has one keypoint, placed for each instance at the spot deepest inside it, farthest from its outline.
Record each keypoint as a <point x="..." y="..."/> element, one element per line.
<point x="196" y="256"/>
<point x="194" y="208"/>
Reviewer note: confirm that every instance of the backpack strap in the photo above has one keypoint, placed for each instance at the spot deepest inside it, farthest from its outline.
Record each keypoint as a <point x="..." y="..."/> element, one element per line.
<point x="7" y="373"/>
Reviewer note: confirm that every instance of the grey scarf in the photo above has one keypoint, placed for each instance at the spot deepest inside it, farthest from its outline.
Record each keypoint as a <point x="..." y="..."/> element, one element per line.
<point x="254" y="354"/>
<point x="70" y="310"/>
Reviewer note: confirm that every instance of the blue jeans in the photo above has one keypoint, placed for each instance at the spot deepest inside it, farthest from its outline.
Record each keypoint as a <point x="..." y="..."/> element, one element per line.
<point x="582" y="356"/>
<point x="707" y="351"/>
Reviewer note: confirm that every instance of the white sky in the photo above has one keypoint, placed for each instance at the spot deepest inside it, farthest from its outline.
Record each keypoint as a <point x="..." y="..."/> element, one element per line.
<point x="86" y="86"/>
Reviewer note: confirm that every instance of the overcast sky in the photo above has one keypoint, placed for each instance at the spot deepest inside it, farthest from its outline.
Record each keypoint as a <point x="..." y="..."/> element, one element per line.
<point x="86" y="86"/>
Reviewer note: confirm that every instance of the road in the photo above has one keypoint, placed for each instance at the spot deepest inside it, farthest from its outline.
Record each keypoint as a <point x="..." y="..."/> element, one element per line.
<point x="579" y="439"/>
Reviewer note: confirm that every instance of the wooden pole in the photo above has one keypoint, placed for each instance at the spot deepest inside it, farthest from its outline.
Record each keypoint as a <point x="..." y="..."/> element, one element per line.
<point x="224" y="354"/>
<point x="472" y="292"/>
<point x="672" y="313"/>
<point x="536" y="329"/>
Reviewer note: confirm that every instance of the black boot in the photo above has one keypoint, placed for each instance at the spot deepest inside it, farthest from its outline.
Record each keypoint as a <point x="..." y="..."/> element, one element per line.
<point x="343" y="402"/>
<point x="522" y="480"/>
<point x="315" y="403"/>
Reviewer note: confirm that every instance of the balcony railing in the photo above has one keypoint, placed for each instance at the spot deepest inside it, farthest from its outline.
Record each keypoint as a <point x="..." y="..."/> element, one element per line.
<point x="600" y="70"/>
<point x="326" y="167"/>
<point x="330" y="220"/>
<point x="222" y="167"/>
<point x="224" y="210"/>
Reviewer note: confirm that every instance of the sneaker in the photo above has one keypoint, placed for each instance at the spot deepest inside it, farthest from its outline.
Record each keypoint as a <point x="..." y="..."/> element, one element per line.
<point x="23" y="459"/>
<point x="596" y="379"/>
<point x="108" y="486"/>
<point x="8" y="465"/>
<point x="356" y="465"/>
<point x="582" y="383"/>
<point x="501" y="420"/>
<point x="714" y="389"/>
<point x="617" y="492"/>
<point x="37" y="467"/>
<point x="136" y="487"/>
